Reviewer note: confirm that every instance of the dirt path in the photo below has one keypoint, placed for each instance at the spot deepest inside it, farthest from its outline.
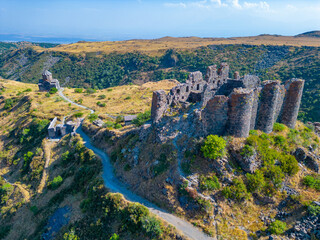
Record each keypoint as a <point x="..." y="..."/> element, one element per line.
<point x="112" y="183"/>
<point x="24" y="192"/>
<point x="47" y="154"/>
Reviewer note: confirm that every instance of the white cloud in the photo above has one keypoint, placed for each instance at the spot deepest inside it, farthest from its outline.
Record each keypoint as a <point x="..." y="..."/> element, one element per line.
<point x="260" y="5"/>
<point x="208" y="4"/>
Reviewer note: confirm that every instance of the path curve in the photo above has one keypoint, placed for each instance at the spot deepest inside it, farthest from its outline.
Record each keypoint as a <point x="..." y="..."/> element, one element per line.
<point x="112" y="183"/>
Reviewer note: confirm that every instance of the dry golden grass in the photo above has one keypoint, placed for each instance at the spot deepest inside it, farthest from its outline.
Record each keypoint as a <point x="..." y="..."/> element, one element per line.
<point x="121" y="100"/>
<point x="43" y="107"/>
<point x="157" y="46"/>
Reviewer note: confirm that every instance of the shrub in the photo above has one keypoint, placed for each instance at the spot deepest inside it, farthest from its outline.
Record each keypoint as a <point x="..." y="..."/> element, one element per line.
<point x="91" y="91"/>
<point x="247" y="151"/>
<point x="28" y="90"/>
<point x="142" y="118"/>
<point x="256" y="181"/>
<point x="53" y="90"/>
<point x="289" y="164"/>
<point x="115" y="237"/>
<point x="70" y="235"/>
<point x="274" y="174"/>
<point x="280" y="141"/>
<point x="209" y="183"/>
<point x="277" y="227"/>
<point x="313" y="209"/>
<point x="78" y="90"/>
<point x="237" y="191"/>
<point x="278" y="127"/>
<point x="152" y="227"/>
<point x="47" y="94"/>
<point x="102" y="96"/>
<point x="311" y="182"/>
<point x="119" y="119"/>
<point x="133" y="215"/>
<point x="78" y="114"/>
<point x="92" y="117"/>
<point x="214" y="147"/>
<point x="253" y="132"/>
<point x="117" y="126"/>
<point x="8" y="103"/>
<point x="109" y="89"/>
<point x="55" y="183"/>
<point x="127" y="98"/>
<point x="100" y="104"/>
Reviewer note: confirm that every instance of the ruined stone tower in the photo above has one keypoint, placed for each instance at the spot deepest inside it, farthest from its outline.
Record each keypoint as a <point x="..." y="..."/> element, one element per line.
<point x="224" y="106"/>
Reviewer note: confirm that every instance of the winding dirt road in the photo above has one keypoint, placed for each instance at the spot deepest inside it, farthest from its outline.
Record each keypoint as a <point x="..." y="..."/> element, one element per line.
<point x="112" y="183"/>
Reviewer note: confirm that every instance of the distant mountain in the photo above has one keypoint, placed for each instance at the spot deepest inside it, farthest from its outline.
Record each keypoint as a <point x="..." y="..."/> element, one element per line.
<point x="315" y="34"/>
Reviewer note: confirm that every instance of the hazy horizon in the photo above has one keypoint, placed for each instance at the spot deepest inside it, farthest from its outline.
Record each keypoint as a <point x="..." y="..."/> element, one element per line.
<point x="99" y="20"/>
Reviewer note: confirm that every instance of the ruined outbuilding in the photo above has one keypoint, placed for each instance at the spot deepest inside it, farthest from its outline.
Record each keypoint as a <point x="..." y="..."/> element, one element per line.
<point x="47" y="82"/>
<point x="221" y="105"/>
<point x="59" y="130"/>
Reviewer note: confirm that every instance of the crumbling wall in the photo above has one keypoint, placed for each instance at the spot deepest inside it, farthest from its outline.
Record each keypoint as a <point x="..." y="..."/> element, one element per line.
<point x="159" y="105"/>
<point x="215" y="115"/>
<point x="291" y="104"/>
<point x="268" y="106"/>
<point x="239" y="114"/>
<point x="235" y="107"/>
<point x="254" y="112"/>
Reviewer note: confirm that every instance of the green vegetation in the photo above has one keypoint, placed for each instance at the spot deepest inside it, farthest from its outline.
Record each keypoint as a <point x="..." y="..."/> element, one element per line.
<point x="312" y="182"/>
<point x="277" y="227"/>
<point x="53" y="90"/>
<point x="313" y="209"/>
<point x="55" y="183"/>
<point x="142" y="118"/>
<point x="214" y="147"/>
<point x="99" y="70"/>
<point x="237" y="191"/>
<point x="247" y="151"/>
<point x="8" y="103"/>
<point x="100" y="104"/>
<point x="278" y="127"/>
<point x="78" y="115"/>
<point x="78" y="90"/>
<point x="93" y="117"/>
<point x="209" y="183"/>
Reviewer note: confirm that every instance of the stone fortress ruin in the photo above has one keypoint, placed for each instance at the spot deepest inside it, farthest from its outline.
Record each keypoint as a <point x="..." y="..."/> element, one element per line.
<point x="223" y="106"/>
<point x="47" y="82"/>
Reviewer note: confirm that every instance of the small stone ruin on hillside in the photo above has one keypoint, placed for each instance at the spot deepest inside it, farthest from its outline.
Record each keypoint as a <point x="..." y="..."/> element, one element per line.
<point x="47" y="82"/>
<point x="59" y="130"/>
<point x="221" y="105"/>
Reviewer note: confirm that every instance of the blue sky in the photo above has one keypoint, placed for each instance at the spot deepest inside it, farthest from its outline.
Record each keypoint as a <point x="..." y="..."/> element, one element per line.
<point x="118" y="20"/>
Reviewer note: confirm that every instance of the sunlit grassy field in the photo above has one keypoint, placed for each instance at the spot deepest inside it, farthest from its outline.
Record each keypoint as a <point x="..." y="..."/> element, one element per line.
<point x="158" y="46"/>
<point x="121" y="100"/>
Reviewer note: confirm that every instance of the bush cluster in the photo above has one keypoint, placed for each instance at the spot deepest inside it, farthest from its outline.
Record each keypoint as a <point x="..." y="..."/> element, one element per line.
<point x="214" y="147"/>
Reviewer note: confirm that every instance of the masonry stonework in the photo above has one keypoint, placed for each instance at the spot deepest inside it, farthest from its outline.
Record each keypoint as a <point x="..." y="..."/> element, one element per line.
<point x="228" y="106"/>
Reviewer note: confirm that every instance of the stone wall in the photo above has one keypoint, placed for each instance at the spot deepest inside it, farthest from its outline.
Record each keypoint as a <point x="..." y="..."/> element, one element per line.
<point x="229" y="106"/>
<point x="291" y="104"/>
<point x="239" y="114"/>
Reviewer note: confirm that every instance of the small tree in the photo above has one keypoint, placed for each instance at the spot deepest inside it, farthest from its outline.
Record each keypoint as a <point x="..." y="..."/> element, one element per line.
<point x="53" y="90"/>
<point x="214" y="147"/>
<point x="277" y="227"/>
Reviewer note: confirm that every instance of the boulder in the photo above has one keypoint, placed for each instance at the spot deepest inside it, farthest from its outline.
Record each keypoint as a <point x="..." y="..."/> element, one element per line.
<point x="312" y="163"/>
<point x="300" y="154"/>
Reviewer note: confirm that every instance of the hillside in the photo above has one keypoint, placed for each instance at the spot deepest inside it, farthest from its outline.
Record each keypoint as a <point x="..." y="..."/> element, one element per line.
<point x="157" y="47"/>
<point x="313" y="34"/>
<point x="54" y="189"/>
<point x="99" y="69"/>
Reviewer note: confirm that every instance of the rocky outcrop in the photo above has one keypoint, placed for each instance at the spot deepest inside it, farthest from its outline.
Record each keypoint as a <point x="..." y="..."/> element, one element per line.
<point x="309" y="159"/>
